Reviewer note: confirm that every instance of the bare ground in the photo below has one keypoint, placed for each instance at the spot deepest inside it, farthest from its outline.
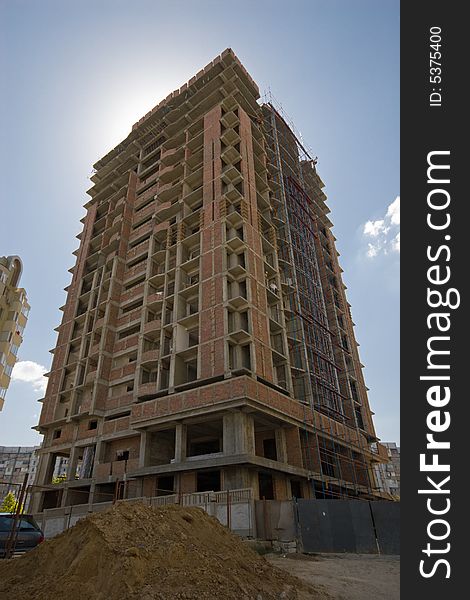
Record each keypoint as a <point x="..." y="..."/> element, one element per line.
<point x="135" y="552"/>
<point x="346" y="576"/>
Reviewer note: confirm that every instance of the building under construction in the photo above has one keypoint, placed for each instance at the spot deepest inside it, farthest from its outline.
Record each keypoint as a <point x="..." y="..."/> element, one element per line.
<point x="206" y="341"/>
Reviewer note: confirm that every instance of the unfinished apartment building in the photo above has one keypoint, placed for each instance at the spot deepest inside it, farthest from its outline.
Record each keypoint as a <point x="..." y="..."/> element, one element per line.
<point x="206" y="342"/>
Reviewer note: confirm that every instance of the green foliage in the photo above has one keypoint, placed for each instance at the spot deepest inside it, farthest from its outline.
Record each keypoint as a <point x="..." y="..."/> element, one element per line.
<point x="59" y="479"/>
<point x="9" y="503"/>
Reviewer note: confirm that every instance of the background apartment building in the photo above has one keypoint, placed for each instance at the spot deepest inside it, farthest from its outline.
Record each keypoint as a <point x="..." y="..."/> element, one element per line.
<point x="15" y="463"/>
<point x="388" y="473"/>
<point x="206" y="341"/>
<point x="14" y="310"/>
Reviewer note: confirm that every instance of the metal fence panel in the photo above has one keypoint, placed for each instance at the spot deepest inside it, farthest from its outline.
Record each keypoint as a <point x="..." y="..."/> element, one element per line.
<point x="387" y="525"/>
<point x="336" y="526"/>
<point x="275" y="520"/>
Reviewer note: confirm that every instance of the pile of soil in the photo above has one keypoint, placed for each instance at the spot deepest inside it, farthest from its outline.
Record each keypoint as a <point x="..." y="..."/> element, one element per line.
<point x="133" y="551"/>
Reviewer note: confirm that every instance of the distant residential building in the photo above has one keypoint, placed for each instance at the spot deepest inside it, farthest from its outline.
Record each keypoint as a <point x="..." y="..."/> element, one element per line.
<point x="14" y="309"/>
<point x="15" y="462"/>
<point x="388" y="474"/>
<point x="60" y="469"/>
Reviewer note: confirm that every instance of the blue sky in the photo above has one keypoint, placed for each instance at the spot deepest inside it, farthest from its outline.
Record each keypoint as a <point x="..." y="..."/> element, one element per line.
<point x="77" y="75"/>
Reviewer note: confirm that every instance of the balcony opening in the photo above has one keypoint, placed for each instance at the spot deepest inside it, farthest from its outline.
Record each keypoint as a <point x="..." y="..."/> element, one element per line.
<point x="246" y="357"/>
<point x="165" y="374"/>
<point x="354" y="393"/>
<point x="169" y="315"/>
<point x="57" y="469"/>
<point x="168" y="343"/>
<point x="359" y="419"/>
<point x="277" y="343"/>
<point x="170" y="288"/>
<point x="149" y="376"/>
<point x="269" y="448"/>
<point x="185" y="369"/>
<point x="128" y="332"/>
<point x="104" y="492"/>
<point x="78" y="495"/>
<point x="328" y="461"/>
<point x="266" y="487"/>
<point x="149" y="345"/>
<point x="238" y="321"/>
<point x="232" y="358"/>
<point x="296" y="488"/>
<point x="193" y="338"/>
<point x="204" y="438"/>
<point x="192" y="307"/>
<point x="161" y="447"/>
<point x="281" y="379"/>
<point x="208" y="481"/>
<point x="165" y="485"/>
<point x="122" y="455"/>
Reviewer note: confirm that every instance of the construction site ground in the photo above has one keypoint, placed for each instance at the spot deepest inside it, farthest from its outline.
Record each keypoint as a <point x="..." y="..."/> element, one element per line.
<point x="345" y="576"/>
<point x="135" y="552"/>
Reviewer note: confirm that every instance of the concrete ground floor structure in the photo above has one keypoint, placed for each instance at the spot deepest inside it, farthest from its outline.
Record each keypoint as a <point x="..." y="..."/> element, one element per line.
<point x="230" y="435"/>
<point x="234" y="509"/>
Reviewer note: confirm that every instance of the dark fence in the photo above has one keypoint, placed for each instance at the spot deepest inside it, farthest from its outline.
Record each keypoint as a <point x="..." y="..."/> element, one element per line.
<point x="386" y="517"/>
<point x="355" y="526"/>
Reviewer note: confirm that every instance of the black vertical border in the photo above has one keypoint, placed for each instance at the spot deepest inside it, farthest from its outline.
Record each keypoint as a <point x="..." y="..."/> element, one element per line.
<point x="425" y="129"/>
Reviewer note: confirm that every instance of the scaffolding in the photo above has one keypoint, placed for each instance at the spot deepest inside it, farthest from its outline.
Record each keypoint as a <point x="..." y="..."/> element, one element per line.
<point x="333" y="446"/>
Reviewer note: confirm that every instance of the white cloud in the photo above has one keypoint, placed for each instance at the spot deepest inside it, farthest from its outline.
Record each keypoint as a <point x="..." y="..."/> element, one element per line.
<point x="384" y="234"/>
<point x="30" y="372"/>
<point x="375" y="228"/>
<point x="372" y="250"/>
<point x="393" y="211"/>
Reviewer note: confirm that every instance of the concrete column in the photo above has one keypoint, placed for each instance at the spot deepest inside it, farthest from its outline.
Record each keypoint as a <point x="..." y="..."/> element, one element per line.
<point x="43" y="477"/>
<point x="280" y="484"/>
<point x="238" y="433"/>
<point x="99" y="454"/>
<point x="307" y="489"/>
<point x="91" y="497"/>
<point x="44" y="469"/>
<point x="180" y="442"/>
<point x="144" y="449"/>
<point x="236" y="478"/>
<point x="281" y="445"/>
<point x="228" y="440"/>
<point x="249" y="427"/>
<point x="72" y="466"/>
<point x="71" y="469"/>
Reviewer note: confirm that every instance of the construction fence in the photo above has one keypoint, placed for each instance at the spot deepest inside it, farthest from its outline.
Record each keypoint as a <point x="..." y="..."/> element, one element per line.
<point x="234" y="509"/>
<point x="355" y="526"/>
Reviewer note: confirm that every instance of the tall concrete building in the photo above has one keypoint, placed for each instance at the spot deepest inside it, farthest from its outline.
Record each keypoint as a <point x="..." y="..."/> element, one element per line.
<point x="206" y="342"/>
<point x="14" y="310"/>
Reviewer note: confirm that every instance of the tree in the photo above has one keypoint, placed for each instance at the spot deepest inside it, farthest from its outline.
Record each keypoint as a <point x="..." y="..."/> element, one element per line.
<point x="59" y="479"/>
<point x="9" y="503"/>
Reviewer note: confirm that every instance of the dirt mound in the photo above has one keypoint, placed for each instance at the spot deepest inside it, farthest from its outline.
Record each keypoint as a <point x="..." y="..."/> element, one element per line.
<point x="132" y="551"/>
